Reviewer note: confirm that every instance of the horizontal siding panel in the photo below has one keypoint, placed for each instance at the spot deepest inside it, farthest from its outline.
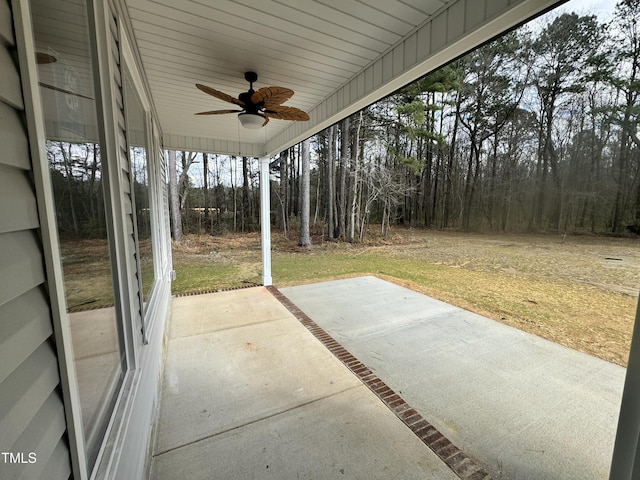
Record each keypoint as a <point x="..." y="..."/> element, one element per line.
<point x="126" y="183"/>
<point x="121" y="120"/>
<point x="127" y="206"/>
<point x="410" y="52"/>
<point x="10" y="90"/>
<point x="6" y="29"/>
<point x="181" y="142"/>
<point x="439" y="31"/>
<point x="118" y="78"/>
<point x="18" y="209"/>
<point x="24" y="392"/>
<point x="43" y="435"/>
<point x="15" y="149"/>
<point x="26" y="324"/>
<point x="456" y="21"/>
<point x="398" y="60"/>
<point x="474" y="15"/>
<point x="21" y="261"/>
<point x="124" y="158"/>
<point x="113" y="26"/>
<point x="495" y="7"/>
<point x="32" y="414"/>
<point x="119" y="100"/>
<point x="58" y="464"/>
<point x="114" y="54"/>
<point x="135" y="279"/>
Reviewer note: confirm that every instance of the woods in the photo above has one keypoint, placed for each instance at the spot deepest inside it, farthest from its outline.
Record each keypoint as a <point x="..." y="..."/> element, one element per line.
<point x="536" y="131"/>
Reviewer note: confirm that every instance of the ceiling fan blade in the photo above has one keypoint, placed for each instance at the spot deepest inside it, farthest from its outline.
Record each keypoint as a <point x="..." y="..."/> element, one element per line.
<point x="218" y="112"/>
<point x="220" y="95"/>
<point x="44" y="58"/>
<point x="287" y="113"/>
<point x="271" y="96"/>
<point x="68" y="92"/>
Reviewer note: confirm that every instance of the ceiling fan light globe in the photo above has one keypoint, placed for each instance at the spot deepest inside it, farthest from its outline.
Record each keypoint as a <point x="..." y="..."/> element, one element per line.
<point x="252" y="121"/>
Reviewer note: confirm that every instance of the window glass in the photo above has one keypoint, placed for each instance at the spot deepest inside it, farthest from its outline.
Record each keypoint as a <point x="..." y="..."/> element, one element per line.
<point x="78" y="175"/>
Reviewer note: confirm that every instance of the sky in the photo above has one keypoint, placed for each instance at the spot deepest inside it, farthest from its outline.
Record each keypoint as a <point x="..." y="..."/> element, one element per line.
<point x="602" y="8"/>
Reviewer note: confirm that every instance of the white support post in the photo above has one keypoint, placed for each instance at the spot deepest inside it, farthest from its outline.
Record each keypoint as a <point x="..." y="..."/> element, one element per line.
<point x="265" y="221"/>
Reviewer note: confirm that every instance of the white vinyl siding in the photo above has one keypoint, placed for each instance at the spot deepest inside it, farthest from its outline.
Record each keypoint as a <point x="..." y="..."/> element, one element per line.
<point x="135" y="282"/>
<point x="32" y="418"/>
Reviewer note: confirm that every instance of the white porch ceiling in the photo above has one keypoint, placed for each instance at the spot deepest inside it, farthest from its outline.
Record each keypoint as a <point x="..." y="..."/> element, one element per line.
<point x="337" y="55"/>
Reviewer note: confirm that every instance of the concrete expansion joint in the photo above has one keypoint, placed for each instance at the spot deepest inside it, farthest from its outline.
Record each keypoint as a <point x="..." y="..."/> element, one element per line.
<point x="257" y="420"/>
<point x="462" y="465"/>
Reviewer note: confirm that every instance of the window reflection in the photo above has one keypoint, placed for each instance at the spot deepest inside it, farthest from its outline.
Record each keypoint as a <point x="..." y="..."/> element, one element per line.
<point x="78" y="177"/>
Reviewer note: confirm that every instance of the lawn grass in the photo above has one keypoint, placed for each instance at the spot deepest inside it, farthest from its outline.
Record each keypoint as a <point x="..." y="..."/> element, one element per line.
<point x="194" y="278"/>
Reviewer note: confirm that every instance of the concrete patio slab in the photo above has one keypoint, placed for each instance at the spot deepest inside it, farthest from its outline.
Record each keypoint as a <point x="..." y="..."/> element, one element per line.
<point x="527" y="408"/>
<point x="248" y="392"/>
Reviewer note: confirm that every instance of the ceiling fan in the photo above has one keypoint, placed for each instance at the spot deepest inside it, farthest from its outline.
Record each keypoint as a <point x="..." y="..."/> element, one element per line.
<point x="46" y="59"/>
<point x="258" y="106"/>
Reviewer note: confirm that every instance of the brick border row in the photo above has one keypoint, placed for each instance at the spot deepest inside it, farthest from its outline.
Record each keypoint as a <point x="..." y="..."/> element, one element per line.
<point x="215" y="290"/>
<point x="462" y="465"/>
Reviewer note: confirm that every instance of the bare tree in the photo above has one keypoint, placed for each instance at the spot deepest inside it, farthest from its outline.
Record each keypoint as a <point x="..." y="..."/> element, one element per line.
<point x="246" y="206"/>
<point x="188" y="158"/>
<point x="331" y="194"/>
<point x="355" y="189"/>
<point x="563" y="59"/>
<point x="205" y="168"/>
<point x="305" y="238"/>
<point x="174" y="198"/>
<point x="626" y="80"/>
<point x="281" y="192"/>
<point x="342" y="188"/>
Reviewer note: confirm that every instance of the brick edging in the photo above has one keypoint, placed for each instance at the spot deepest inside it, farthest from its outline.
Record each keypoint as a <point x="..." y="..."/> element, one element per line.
<point x="215" y="290"/>
<point x="462" y="465"/>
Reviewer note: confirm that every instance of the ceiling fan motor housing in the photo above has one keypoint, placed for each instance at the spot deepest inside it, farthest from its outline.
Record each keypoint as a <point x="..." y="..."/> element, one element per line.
<point x="250" y="107"/>
<point x="250" y="76"/>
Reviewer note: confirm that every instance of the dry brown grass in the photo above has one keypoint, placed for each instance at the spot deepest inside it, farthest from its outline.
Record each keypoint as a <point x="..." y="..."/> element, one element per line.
<point x="578" y="291"/>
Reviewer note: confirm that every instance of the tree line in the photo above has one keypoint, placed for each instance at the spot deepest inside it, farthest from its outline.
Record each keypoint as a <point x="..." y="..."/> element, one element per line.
<point x="535" y="131"/>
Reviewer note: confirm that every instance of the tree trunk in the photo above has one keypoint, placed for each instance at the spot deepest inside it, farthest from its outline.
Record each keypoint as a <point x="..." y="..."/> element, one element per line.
<point x="284" y="157"/>
<point x="174" y="199"/>
<point x="246" y="207"/>
<point x="344" y="164"/>
<point x="205" y="176"/>
<point x="468" y="185"/>
<point x="216" y="191"/>
<point x="330" y="184"/>
<point x="448" y="174"/>
<point x="305" y="238"/>
<point x="354" y="190"/>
